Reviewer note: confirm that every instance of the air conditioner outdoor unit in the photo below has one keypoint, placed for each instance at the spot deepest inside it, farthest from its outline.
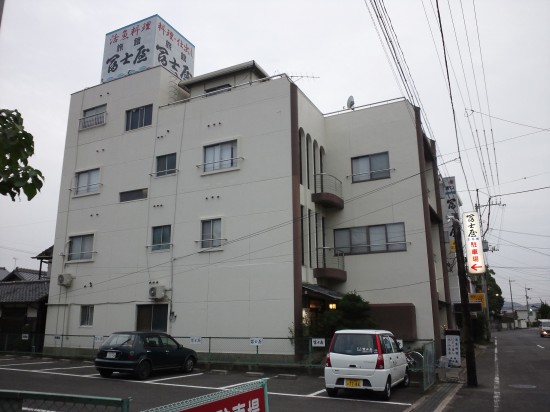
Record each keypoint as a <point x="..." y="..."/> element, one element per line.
<point x="64" y="279"/>
<point x="156" y="292"/>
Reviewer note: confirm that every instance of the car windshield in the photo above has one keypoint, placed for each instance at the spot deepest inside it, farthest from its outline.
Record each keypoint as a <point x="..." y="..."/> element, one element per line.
<point x="354" y="344"/>
<point x="545" y="323"/>
<point x="120" y="339"/>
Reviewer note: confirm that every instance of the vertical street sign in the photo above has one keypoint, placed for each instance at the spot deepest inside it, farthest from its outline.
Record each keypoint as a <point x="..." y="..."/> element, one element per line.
<point x="474" y="246"/>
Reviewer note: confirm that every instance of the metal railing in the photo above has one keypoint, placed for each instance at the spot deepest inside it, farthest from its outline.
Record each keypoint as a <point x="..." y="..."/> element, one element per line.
<point x="42" y="401"/>
<point x="93" y="121"/>
<point x="330" y="258"/>
<point x="325" y="183"/>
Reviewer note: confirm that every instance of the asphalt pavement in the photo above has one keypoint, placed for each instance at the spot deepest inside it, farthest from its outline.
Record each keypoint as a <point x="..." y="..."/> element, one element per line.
<point x="452" y="394"/>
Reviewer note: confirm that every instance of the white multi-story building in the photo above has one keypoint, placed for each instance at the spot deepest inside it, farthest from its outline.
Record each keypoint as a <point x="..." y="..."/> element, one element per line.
<point x="228" y="205"/>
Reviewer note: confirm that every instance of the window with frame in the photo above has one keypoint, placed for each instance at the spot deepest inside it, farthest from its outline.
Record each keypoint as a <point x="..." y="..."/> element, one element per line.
<point x="87" y="182"/>
<point x="370" y="167"/>
<point x="211" y="233"/>
<point x="86" y="315"/>
<point x="166" y="165"/>
<point x="81" y="247"/>
<point x="371" y="239"/>
<point x="93" y="117"/>
<point x="130" y="195"/>
<point x="220" y="156"/>
<point x="139" y="117"/>
<point x="161" y="237"/>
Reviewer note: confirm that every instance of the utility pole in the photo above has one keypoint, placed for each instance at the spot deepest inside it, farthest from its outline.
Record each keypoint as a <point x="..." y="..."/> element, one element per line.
<point x="512" y="300"/>
<point x="527" y="307"/>
<point x="471" y="372"/>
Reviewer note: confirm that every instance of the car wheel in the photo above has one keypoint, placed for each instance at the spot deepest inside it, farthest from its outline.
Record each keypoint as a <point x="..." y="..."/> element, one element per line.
<point x="106" y="373"/>
<point x="406" y="379"/>
<point x="332" y="392"/>
<point x="386" y="395"/>
<point x="189" y="365"/>
<point x="143" y="370"/>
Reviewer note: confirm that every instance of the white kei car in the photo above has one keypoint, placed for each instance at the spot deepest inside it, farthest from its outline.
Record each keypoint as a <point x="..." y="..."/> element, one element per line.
<point x="365" y="359"/>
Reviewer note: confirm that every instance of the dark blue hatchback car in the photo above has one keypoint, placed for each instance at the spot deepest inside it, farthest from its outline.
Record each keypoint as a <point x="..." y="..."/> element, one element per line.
<point x="140" y="353"/>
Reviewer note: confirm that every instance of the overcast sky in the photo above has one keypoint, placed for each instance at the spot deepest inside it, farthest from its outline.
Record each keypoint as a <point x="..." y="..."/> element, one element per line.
<point x="498" y="60"/>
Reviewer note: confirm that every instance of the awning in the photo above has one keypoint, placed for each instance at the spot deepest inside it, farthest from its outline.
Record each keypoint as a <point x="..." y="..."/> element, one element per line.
<point x="320" y="292"/>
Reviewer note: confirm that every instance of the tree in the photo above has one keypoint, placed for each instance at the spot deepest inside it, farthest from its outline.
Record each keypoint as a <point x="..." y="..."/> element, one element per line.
<point x="544" y="311"/>
<point x="352" y="312"/>
<point x="16" y="146"/>
<point x="494" y="293"/>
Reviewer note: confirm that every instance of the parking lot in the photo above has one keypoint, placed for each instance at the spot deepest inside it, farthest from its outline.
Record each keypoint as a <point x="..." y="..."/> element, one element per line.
<point x="288" y="391"/>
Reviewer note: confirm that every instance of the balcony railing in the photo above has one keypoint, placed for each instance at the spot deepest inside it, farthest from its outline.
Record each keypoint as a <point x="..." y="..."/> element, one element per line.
<point x="330" y="265"/>
<point x="328" y="191"/>
<point x="94" y="120"/>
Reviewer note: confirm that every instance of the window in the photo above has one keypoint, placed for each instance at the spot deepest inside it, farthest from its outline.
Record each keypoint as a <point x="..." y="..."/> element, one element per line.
<point x="211" y="233"/>
<point x="161" y="237"/>
<point x="86" y="315"/>
<point x="133" y="195"/>
<point x="152" y="317"/>
<point x="139" y="117"/>
<point x="220" y="156"/>
<point x="87" y="182"/>
<point x="166" y="165"/>
<point x="371" y="239"/>
<point x="371" y="167"/>
<point x="81" y="247"/>
<point x="93" y="117"/>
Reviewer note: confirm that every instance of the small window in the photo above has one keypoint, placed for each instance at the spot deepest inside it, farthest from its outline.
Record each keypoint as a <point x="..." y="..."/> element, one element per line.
<point x="81" y="247"/>
<point x="133" y="195"/>
<point x="161" y="237"/>
<point x="86" y="315"/>
<point x="218" y="89"/>
<point x="166" y="165"/>
<point x="371" y="239"/>
<point x="211" y="233"/>
<point x="220" y="156"/>
<point x="93" y="117"/>
<point x="139" y="117"/>
<point x="87" y="182"/>
<point x="371" y="167"/>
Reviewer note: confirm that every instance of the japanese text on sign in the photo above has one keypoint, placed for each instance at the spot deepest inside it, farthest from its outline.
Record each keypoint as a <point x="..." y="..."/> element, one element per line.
<point x="144" y="44"/>
<point x="474" y="246"/>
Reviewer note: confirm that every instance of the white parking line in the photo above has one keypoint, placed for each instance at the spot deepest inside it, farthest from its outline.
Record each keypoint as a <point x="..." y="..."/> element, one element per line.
<point x="158" y="382"/>
<point x="29" y="363"/>
<point x="239" y="384"/>
<point x="542" y="347"/>
<point x="176" y="377"/>
<point x="72" y="367"/>
<point x="317" y="393"/>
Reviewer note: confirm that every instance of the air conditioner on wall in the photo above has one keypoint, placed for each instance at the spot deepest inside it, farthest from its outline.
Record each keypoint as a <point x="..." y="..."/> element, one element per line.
<point x="64" y="279"/>
<point x="157" y="292"/>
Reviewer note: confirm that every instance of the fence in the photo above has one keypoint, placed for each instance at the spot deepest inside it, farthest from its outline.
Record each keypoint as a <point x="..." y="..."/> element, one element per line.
<point x="212" y="350"/>
<point x="256" y="351"/>
<point x="41" y="401"/>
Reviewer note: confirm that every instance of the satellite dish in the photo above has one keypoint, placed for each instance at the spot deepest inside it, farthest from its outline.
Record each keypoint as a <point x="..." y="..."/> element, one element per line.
<point x="351" y="103"/>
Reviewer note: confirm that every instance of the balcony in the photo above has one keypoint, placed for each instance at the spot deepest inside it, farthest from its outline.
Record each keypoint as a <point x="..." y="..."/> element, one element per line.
<point x="328" y="191"/>
<point x="330" y="265"/>
<point x="94" y="120"/>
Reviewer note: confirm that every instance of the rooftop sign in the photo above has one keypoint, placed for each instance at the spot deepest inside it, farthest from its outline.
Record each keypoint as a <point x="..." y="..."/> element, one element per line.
<point x="144" y="44"/>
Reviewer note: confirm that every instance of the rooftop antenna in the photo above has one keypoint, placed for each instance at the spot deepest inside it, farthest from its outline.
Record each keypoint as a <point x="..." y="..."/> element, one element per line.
<point x="351" y="103"/>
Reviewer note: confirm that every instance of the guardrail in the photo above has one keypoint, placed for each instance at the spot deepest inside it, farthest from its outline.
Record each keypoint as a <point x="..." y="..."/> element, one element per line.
<point x="42" y="401"/>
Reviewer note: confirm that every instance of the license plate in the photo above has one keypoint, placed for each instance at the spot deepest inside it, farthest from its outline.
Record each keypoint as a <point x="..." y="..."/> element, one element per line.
<point x="111" y="355"/>
<point x="352" y="383"/>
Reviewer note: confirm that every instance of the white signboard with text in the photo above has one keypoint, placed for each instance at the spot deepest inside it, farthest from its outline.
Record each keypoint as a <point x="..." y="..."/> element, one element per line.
<point x="144" y="44"/>
<point x="474" y="246"/>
